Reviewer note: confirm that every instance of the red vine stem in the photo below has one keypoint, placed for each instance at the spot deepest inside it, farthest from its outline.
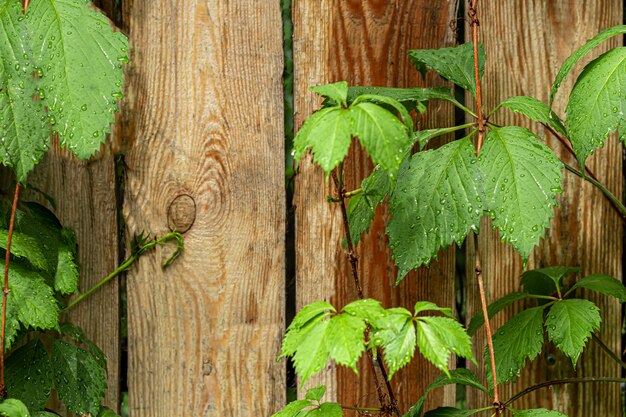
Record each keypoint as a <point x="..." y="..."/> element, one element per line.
<point x="25" y="5"/>
<point x="473" y="16"/>
<point x="5" y="288"/>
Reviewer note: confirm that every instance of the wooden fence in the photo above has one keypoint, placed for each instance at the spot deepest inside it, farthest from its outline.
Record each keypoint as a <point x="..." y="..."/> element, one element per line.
<point x="202" y="133"/>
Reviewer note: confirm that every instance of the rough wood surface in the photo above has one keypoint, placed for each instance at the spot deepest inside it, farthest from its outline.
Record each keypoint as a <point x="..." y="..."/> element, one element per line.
<point x="526" y="42"/>
<point x="207" y="135"/>
<point x="364" y="43"/>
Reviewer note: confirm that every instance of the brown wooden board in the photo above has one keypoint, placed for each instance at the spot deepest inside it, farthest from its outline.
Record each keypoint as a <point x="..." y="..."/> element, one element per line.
<point x="526" y="42"/>
<point x="364" y="43"/>
<point x="207" y="150"/>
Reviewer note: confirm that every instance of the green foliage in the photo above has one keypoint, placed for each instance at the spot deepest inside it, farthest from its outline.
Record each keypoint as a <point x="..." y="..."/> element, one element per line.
<point x="311" y="406"/>
<point x="78" y="61"/>
<point x="522" y="177"/>
<point x="455" y="64"/>
<point x="13" y="408"/>
<point x="535" y="110"/>
<point x="494" y="308"/>
<point x="545" y="281"/>
<point x="29" y="375"/>
<point x="537" y="412"/>
<point x="604" y="284"/>
<point x="450" y="412"/>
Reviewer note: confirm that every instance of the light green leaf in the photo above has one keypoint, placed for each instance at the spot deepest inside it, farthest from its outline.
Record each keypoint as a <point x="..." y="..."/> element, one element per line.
<point x="366" y="309"/>
<point x="522" y="177"/>
<point x="535" y="110"/>
<point x="345" y="339"/>
<point x="328" y="133"/>
<point x="546" y="280"/>
<point x="450" y="412"/>
<point x="107" y="412"/>
<point x="329" y="410"/>
<point x="581" y="52"/>
<point x="80" y="61"/>
<point x="570" y="323"/>
<point x="596" y="104"/>
<point x="312" y="353"/>
<point x="427" y="305"/>
<point x="384" y="137"/>
<point x="362" y="207"/>
<point x="390" y="104"/>
<point x="455" y="64"/>
<point x="296" y="336"/>
<point x="519" y="339"/>
<point x="439" y="337"/>
<point x="456" y="376"/>
<point x="537" y="412"/>
<point x="604" y="284"/>
<point x="309" y="312"/>
<point x="437" y="201"/>
<point x="338" y="92"/>
<point x="78" y="379"/>
<point x="29" y="375"/>
<point x="492" y="309"/>
<point x="13" y="408"/>
<point x="292" y="409"/>
<point x="315" y="393"/>
<point x="397" y="339"/>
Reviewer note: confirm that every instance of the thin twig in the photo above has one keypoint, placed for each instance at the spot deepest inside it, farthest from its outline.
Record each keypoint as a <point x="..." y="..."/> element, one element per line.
<point x="608" y="350"/>
<point x="582" y="380"/>
<point x="5" y="288"/>
<point x="473" y="16"/>
<point x="352" y="257"/>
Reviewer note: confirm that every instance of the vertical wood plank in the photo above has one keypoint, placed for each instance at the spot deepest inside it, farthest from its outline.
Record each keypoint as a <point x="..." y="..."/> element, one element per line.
<point x="526" y="42"/>
<point x="208" y="140"/>
<point x="364" y="43"/>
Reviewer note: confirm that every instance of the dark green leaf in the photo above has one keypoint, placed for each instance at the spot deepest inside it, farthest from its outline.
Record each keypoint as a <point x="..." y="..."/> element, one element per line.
<point x="78" y="378"/>
<point x="537" y="412"/>
<point x="436" y="201"/>
<point x="581" y="52"/>
<point x="328" y="133"/>
<point x="439" y="337"/>
<point x="604" y="284"/>
<point x="410" y="98"/>
<point x="46" y="414"/>
<point x="107" y="412"/>
<point x="13" y="408"/>
<point x="292" y="409"/>
<point x="362" y="206"/>
<point x="76" y="334"/>
<point x="522" y="177"/>
<point x="570" y="323"/>
<point x="423" y="136"/>
<point x="345" y="339"/>
<point x="535" y="110"/>
<point x="455" y="64"/>
<point x="428" y="306"/>
<point x="315" y="393"/>
<point x="29" y="375"/>
<point x="494" y="308"/>
<point x="545" y="281"/>
<point x="519" y="339"/>
<point x="338" y="92"/>
<point x="456" y="376"/>
<point x="384" y="137"/>
<point x="391" y="105"/>
<point x="596" y="105"/>
<point x="450" y="412"/>
<point x="25" y="246"/>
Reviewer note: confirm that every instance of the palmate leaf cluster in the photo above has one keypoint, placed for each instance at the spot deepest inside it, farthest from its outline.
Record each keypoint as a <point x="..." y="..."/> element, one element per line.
<point x="43" y="272"/>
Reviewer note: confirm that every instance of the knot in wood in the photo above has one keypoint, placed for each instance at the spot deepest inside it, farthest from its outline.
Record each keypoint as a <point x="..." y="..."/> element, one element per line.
<point x="181" y="213"/>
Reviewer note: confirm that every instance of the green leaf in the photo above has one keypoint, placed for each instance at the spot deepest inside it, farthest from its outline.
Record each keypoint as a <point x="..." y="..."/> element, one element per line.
<point x="535" y="110"/>
<point x="80" y="61"/>
<point x="456" y="376"/>
<point x="328" y="133"/>
<point x="455" y="64"/>
<point x="439" y="337"/>
<point x="345" y="339"/>
<point x="436" y="201"/>
<point x="312" y="353"/>
<point x="329" y="410"/>
<point x="78" y="378"/>
<point x="522" y="177"/>
<point x="520" y="338"/>
<point x="46" y="414"/>
<point x="604" y="284"/>
<point x="570" y="323"/>
<point x="107" y="412"/>
<point x="596" y="105"/>
<point x="494" y="308"/>
<point x="423" y="136"/>
<point x="395" y="333"/>
<point x="297" y="336"/>
<point x="537" y="412"/>
<point x="66" y="275"/>
<point x="29" y="375"/>
<point x="410" y="98"/>
<point x="389" y="104"/>
<point x="427" y="305"/>
<point x="545" y="281"/>
<point x="309" y="312"/>
<point x="384" y="137"/>
<point x="338" y="92"/>
<point x="76" y="334"/>
<point x="13" y="408"/>
<point x="25" y="247"/>
<point x="362" y="207"/>
<point x="292" y="409"/>
<point x="24" y="132"/>
<point x="450" y="412"/>
<point x="367" y="309"/>
<point x="581" y="52"/>
<point x="316" y="393"/>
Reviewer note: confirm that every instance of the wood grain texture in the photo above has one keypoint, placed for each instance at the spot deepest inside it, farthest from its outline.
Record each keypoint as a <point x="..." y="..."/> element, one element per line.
<point x="364" y="43"/>
<point x="207" y="123"/>
<point x="526" y="42"/>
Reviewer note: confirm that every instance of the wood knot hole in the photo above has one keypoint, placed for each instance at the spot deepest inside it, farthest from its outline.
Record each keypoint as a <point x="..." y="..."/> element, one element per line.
<point x="181" y="214"/>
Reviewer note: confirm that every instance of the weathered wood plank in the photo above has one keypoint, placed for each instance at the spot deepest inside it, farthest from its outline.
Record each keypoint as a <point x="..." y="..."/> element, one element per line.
<point x="526" y="43"/>
<point x="364" y="43"/>
<point x="207" y="137"/>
